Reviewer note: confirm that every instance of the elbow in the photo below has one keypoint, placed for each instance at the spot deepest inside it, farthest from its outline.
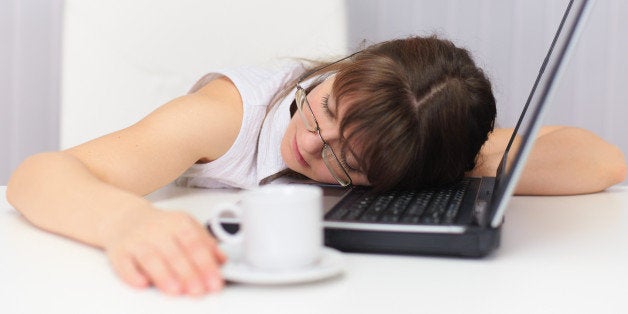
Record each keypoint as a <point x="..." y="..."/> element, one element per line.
<point x="620" y="173"/>
<point x="13" y="191"/>
<point x="10" y="195"/>
<point x="16" y="181"/>
<point x="21" y="181"/>
<point x="605" y="169"/>
<point x="616" y="169"/>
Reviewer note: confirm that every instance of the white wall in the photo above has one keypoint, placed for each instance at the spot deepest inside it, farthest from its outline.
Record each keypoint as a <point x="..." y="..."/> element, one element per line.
<point x="510" y="39"/>
<point x="124" y="58"/>
<point x="30" y="54"/>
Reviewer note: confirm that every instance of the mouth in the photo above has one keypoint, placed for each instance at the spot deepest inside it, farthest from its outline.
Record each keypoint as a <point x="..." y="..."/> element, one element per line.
<point x="297" y="154"/>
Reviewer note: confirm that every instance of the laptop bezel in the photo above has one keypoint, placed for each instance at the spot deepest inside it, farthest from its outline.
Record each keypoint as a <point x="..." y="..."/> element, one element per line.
<point x="508" y="177"/>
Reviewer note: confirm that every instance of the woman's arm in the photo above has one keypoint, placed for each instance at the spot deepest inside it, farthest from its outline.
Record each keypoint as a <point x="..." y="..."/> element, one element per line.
<point x="93" y="192"/>
<point x="563" y="161"/>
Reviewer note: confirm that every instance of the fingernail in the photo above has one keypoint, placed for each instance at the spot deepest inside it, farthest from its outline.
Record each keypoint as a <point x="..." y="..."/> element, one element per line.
<point x="173" y="287"/>
<point x="223" y="256"/>
<point x="215" y="283"/>
<point x="139" y="282"/>
<point x="195" y="288"/>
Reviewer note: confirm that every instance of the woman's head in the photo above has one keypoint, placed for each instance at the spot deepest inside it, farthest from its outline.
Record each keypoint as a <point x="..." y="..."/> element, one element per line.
<point x="410" y="112"/>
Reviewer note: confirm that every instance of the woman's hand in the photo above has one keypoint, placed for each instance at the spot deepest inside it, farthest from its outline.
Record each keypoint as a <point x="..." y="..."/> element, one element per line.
<point x="168" y="249"/>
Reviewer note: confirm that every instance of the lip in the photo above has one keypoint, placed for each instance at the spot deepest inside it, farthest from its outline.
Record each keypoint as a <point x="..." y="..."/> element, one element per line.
<point x="297" y="154"/>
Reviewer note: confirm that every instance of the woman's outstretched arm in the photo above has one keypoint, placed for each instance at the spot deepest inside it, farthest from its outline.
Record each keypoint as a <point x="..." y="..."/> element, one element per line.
<point x="93" y="192"/>
<point x="564" y="160"/>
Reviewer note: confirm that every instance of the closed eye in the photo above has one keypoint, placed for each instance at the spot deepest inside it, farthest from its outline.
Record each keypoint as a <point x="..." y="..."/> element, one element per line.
<point x="345" y="164"/>
<point x="325" y="105"/>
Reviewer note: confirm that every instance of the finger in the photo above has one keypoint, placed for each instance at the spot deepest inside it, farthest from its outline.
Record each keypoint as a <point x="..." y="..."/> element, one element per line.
<point x="155" y="267"/>
<point x="181" y="262"/>
<point x="127" y="270"/>
<point x="213" y="244"/>
<point x="200" y="247"/>
<point x="222" y="257"/>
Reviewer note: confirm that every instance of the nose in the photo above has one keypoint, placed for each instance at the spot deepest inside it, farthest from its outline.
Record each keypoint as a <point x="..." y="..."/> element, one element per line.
<point x="311" y="143"/>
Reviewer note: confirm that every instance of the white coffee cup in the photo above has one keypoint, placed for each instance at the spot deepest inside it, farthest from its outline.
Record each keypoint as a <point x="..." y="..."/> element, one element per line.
<point x="280" y="226"/>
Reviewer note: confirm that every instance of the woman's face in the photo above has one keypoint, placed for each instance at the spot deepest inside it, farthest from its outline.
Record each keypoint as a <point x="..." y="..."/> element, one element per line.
<point x="302" y="150"/>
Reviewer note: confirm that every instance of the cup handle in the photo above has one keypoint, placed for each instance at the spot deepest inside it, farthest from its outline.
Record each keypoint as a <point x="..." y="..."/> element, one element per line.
<point x="216" y="226"/>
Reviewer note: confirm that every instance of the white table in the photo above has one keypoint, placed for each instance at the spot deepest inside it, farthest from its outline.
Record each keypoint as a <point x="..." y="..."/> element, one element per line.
<point x="558" y="255"/>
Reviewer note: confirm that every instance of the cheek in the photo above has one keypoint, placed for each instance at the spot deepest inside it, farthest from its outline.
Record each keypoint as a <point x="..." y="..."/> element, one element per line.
<point x="286" y="144"/>
<point x="360" y="180"/>
<point x="321" y="174"/>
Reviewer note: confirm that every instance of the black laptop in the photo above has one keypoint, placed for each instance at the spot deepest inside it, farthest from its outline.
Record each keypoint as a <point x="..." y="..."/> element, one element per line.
<point x="463" y="219"/>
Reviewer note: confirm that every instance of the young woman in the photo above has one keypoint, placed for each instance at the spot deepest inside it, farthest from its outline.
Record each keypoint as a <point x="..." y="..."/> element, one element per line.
<point x="405" y="113"/>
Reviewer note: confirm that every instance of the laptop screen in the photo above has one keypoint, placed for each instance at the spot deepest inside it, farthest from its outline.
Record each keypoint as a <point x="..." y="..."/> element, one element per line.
<point x="530" y="120"/>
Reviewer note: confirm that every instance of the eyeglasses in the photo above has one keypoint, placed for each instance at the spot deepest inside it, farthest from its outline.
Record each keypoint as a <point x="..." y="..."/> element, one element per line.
<point x="330" y="158"/>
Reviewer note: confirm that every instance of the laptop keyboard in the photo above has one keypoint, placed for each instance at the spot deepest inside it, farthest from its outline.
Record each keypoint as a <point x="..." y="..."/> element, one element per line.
<point x="431" y="206"/>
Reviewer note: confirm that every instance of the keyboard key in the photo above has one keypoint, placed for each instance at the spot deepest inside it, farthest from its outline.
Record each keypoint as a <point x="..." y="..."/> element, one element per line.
<point x="407" y="207"/>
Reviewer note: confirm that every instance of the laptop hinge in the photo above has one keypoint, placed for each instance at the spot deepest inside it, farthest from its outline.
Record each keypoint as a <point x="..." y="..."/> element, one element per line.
<point x="481" y="211"/>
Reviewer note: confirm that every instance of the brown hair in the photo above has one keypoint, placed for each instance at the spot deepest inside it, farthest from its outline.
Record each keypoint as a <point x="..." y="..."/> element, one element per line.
<point x="419" y="110"/>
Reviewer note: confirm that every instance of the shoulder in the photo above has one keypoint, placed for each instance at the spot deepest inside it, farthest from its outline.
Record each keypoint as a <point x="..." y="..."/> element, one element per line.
<point x="499" y="138"/>
<point x="258" y="85"/>
<point x="491" y="153"/>
<point x="209" y="117"/>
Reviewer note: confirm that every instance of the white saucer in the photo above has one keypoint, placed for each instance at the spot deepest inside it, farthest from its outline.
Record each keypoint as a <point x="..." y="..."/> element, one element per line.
<point x="236" y="270"/>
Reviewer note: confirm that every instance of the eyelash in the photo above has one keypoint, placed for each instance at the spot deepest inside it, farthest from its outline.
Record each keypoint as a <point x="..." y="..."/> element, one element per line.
<point x="343" y="160"/>
<point x="325" y="104"/>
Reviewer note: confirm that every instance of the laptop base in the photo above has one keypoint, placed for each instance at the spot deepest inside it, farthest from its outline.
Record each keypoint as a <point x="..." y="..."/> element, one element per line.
<point x="475" y="242"/>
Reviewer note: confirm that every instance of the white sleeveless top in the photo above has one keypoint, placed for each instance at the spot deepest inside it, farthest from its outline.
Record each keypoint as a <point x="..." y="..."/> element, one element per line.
<point x="255" y="154"/>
